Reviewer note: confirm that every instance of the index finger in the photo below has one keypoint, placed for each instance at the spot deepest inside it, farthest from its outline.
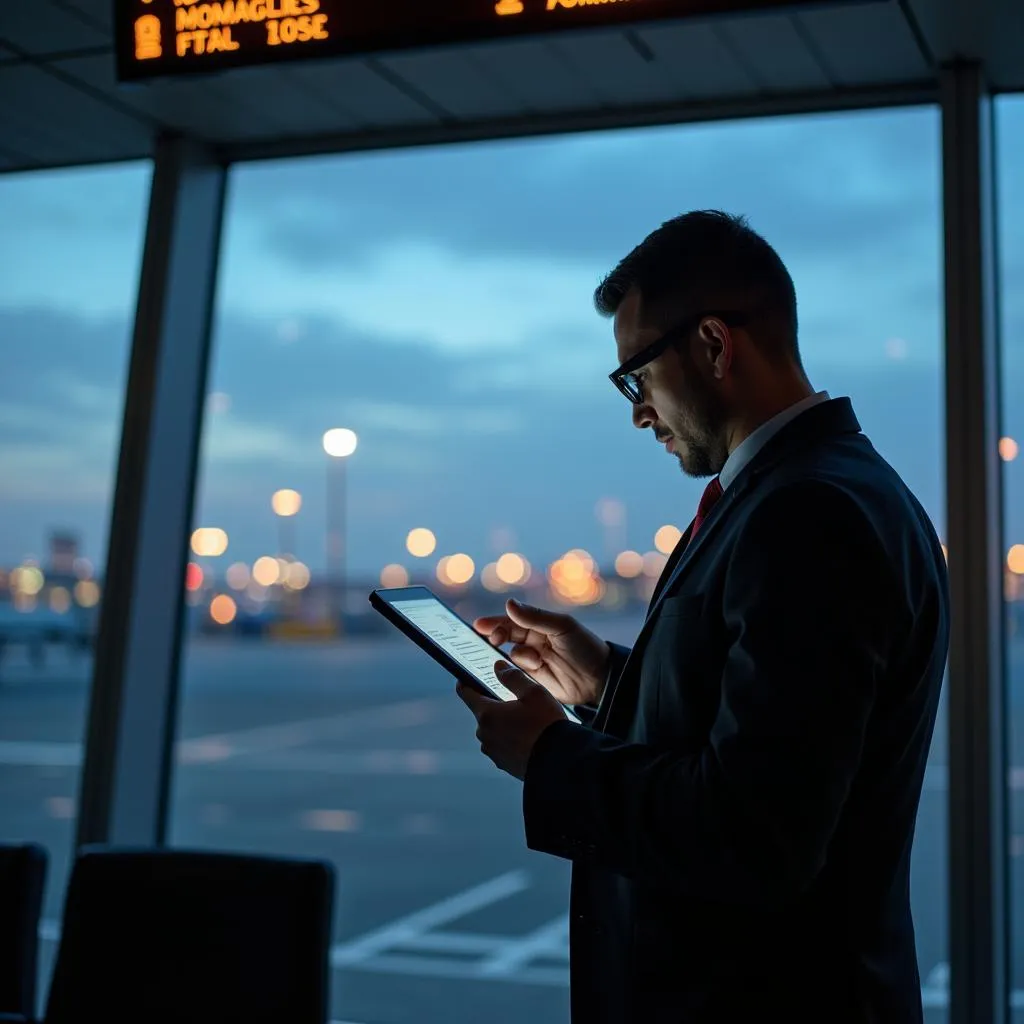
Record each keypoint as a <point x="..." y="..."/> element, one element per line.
<point x="510" y="632"/>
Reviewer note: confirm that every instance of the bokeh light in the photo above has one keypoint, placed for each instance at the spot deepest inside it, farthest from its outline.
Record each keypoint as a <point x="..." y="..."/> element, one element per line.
<point x="654" y="563"/>
<point x="629" y="564"/>
<point x="490" y="579"/>
<point x="1008" y="449"/>
<point x="1015" y="559"/>
<point x="340" y="442"/>
<point x="421" y="542"/>
<point x="87" y="594"/>
<point x="394" y="575"/>
<point x="460" y="568"/>
<point x="296" y="576"/>
<point x="266" y="571"/>
<point x="27" y="580"/>
<point x="223" y="609"/>
<point x="193" y="577"/>
<point x="83" y="568"/>
<point x="512" y="569"/>
<point x="286" y="502"/>
<point x="238" y="576"/>
<point x="209" y="542"/>
<point x="574" y="578"/>
<point x="610" y="512"/>
<point x="60" y="600"/>
<point x="667" y="538"/>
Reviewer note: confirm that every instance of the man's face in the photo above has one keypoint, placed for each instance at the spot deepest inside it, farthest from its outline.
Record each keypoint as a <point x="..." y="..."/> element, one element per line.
<point x="683" y="390"/>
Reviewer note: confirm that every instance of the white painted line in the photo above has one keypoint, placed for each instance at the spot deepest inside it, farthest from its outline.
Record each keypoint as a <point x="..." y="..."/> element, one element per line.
<point x="412" y="927"/>
<point x="551" y="939"/>
<point x="218" y="748"/>
<point x="456" y="942"/>
<point x="458" y="970"/>
<point x="265" y="738"/>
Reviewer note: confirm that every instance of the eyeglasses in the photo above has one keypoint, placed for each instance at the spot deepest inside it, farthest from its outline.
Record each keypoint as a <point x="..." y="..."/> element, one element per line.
<point x="625" y="377"/>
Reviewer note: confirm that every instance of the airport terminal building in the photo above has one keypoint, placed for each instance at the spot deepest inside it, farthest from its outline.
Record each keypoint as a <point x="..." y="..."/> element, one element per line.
<point x="295" y="302"/>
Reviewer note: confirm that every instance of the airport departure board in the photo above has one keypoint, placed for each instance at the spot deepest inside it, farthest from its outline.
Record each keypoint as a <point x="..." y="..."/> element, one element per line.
<point x="157" y="38"/>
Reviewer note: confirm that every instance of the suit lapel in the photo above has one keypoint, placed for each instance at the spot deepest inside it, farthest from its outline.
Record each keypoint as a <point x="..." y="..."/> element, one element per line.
<point x="829" y="419"/>
<point x="676" y="568"/>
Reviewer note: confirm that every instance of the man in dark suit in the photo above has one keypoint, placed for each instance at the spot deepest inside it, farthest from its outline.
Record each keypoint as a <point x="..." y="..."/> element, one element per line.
<point x="740" y="807"/>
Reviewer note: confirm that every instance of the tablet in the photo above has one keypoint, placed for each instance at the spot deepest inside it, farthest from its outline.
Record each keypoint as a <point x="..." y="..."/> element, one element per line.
<point x="451" y="641"/>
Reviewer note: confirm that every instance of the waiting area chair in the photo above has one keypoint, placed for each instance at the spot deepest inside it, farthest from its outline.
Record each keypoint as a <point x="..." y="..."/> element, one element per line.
<point x="160" y="935"/>
<point x="22" y="880"/>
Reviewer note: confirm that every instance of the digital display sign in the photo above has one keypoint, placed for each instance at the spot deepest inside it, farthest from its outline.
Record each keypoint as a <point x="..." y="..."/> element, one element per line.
<point x="156" y="38"/>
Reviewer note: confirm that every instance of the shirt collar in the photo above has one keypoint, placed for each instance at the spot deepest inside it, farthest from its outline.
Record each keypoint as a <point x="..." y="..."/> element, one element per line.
<point x="743" y="454"/>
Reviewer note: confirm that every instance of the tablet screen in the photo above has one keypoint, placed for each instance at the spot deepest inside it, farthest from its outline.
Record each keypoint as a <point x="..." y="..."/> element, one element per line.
<point x="457" y="639"/>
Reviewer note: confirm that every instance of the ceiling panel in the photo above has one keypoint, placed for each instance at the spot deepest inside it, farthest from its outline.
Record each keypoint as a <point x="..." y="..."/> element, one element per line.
<point x="458" y="85"/>
<point x="372" y="99"/>
<point x="695" y="62"/>
<point x="242" y="106"/>
<point x="774" y="53"/>
<point x="864" y="45"/>
<point x="43" y="27"/>
<point x="84" y="124"/>
<point x="98" y="12"/>
<point x="531" y="70"/>
<point x="309" y="108"/>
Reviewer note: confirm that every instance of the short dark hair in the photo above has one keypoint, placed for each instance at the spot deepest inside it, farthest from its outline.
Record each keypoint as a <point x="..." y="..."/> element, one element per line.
<point x="707" y="259"/>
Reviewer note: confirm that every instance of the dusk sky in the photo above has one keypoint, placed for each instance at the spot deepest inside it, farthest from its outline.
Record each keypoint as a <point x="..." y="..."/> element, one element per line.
<point x="438" y="302"/>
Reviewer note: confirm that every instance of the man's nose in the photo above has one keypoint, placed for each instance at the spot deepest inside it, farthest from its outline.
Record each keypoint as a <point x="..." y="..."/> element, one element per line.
<point x="643" y="416"/>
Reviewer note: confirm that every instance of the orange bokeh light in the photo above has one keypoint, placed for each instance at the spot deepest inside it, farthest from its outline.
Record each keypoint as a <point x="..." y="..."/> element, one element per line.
<point x="223" y="610"/>
<point x="1015" y="559"/>
<point x="629" y="564"/>
<point x="193" y="577"/>
<point x="394" y="575"/>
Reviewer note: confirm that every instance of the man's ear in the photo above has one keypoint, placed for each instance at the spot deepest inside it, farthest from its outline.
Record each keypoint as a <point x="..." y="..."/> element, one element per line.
<point x="715" y="346"/>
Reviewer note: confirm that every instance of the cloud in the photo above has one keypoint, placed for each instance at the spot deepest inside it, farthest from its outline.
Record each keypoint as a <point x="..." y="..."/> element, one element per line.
<point x="439" y="296"/>
<point x="438" y="302"/>
<point x="72" y="239"/>
<point x="595" y="195"/>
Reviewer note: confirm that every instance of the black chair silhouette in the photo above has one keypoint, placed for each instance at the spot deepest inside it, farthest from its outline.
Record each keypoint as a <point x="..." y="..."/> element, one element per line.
<point x="22" y="879"/>
<point x="158" y="935"/>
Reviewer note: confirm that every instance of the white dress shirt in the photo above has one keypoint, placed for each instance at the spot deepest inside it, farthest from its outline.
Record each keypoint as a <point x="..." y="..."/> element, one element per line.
<point x="744" y="452"/>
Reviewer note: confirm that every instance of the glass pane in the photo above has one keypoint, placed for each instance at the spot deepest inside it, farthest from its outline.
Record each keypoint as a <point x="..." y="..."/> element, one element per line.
<point x="1010" y="168"/>
<point x="437" y="302"/>
<point x="69" y="257"/>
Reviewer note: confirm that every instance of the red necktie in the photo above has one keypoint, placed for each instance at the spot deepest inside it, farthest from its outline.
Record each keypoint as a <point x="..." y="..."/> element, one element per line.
<point x="708" y="500"/>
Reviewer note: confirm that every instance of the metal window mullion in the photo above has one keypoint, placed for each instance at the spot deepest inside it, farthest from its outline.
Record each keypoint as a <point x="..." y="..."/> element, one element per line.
<point x="978" y="925"/>
<point x="132" y="709"/>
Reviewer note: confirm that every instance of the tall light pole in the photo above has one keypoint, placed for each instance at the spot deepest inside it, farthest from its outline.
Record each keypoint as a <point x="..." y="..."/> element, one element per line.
<point x="286" y="504"/>
<point x="339" y="444"/>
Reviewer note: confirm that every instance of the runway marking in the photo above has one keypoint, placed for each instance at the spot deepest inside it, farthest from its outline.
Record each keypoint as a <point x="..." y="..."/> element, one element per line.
<point x="405" y="931"/>
<point x="217" y="748"/>
<point x="551" y="939"/>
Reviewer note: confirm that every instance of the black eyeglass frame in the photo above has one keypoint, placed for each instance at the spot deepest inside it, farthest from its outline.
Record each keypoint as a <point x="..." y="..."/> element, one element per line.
<point x="623" y="377"/>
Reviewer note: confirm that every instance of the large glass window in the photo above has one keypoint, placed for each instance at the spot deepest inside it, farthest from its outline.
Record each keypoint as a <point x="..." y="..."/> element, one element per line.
<point x="436" y="303"/>
<point x="1010" y="136"/>
<point x="69" y="257"/>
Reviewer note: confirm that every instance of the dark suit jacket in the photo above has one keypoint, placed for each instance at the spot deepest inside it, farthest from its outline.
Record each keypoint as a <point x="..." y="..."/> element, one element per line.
<point x="740" y="812"/>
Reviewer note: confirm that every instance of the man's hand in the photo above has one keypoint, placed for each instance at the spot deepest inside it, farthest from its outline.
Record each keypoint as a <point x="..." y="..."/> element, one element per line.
<point x="508" y="730"/>
<point x="561" y="654"/>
